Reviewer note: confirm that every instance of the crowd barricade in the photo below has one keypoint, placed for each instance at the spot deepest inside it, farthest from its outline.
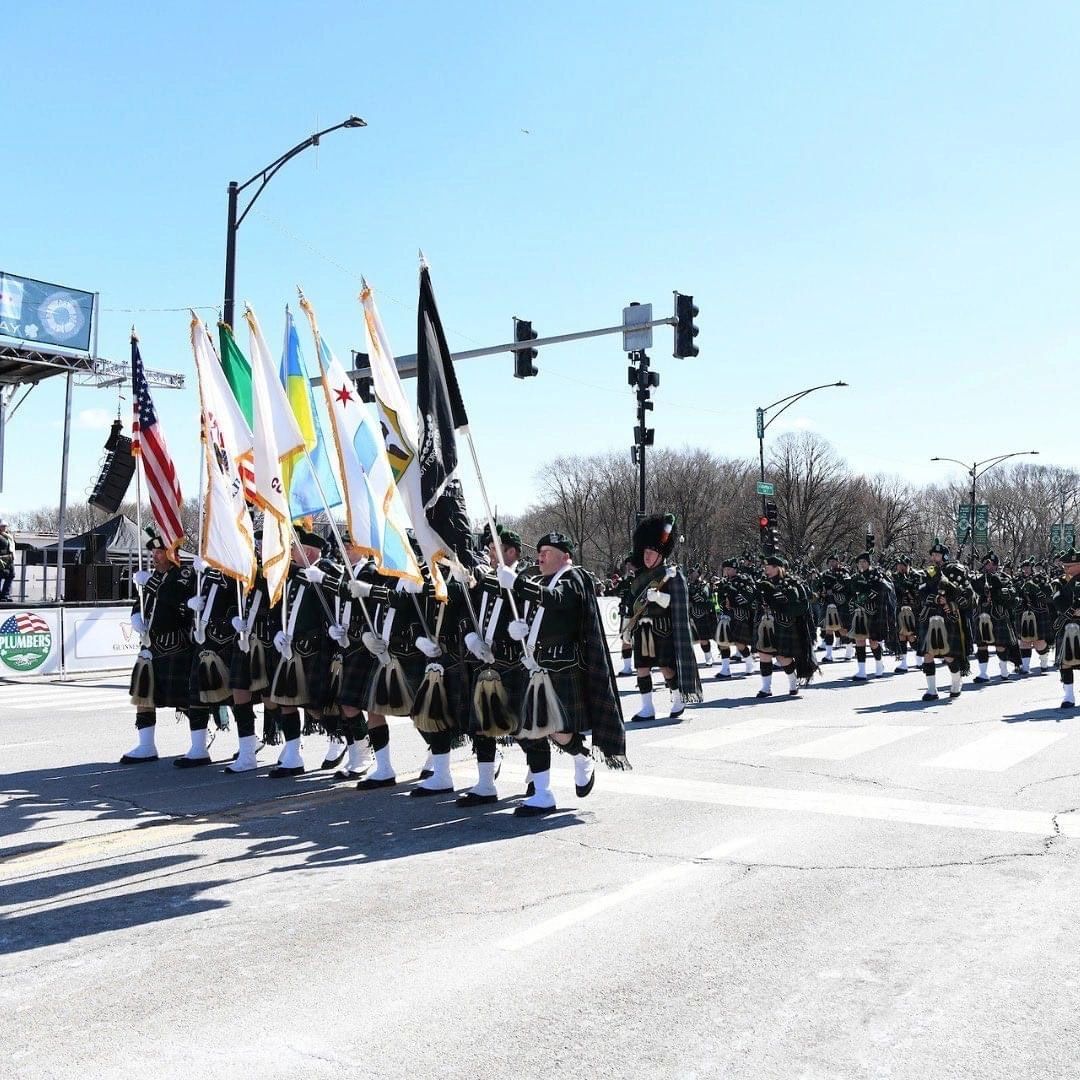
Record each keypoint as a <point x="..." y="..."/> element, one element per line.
<point x="65" y="639"/>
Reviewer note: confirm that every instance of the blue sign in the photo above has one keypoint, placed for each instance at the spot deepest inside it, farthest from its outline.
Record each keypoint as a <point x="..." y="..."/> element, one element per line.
<point x="45" y="314"/>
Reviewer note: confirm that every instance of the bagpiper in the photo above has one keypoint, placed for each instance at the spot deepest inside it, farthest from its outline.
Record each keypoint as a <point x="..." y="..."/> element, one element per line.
<point x="1067" y="623"/>
<point x="660" y="621"/>
<point x="945" y="599"/>
<point x="735" y="626"/>
<point x="161" y="677"/>
<point x="569" y="685"/>
<point x="785" y="634"/>
<point x="1035" y="621"/>
<point x="624" y="590"/>
<point x="834" y="589"/>
<point x="702" y="614"/>
<point x="872" y="611"/>
<point x="996" y="606"/>
<point x="906" y="581"/>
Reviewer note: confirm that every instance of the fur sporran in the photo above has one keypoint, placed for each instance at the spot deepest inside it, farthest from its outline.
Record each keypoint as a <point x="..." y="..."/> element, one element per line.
<point x="542" y="713"/>
<point x="1029" y="626"/>
<point x="985" y="630"/>
<point x="491" y="703"/>
<point x="431" y="707"/>
<point x="766" y="634"/>
<point x="142" y="681"/>
<point x="723" y="630"/>
<point x="860" y="625"/>
<point x="290" y="683"/>
<point x="1070" y="646"/>
<point x="833" y="625"/>
<point x="906" y="620"/>
<point x="259" y="677"/>
<point x="213" y="678"/>
<point x="937" y="636"/>
<point x="390" y="693"/>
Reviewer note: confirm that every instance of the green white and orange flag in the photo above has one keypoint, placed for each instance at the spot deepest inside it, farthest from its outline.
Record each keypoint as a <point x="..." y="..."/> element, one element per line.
<point x="277" y="441"/>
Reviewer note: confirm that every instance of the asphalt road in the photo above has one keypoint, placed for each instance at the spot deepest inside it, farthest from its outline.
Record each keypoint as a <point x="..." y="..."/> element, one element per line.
<point x="846" y="884"/>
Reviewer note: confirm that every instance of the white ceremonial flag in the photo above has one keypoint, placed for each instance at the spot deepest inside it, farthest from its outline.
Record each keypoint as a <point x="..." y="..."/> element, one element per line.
<point x="398" y="420"/>
<point x="227" y="541"/>
<point x="277" y="438"/>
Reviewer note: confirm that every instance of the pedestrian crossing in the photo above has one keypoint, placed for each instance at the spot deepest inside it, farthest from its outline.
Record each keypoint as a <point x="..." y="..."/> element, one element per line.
<point x="849" y="744"/>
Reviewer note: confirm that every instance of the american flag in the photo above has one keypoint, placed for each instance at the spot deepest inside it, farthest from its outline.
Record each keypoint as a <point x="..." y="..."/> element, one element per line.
<point x="24" y="623"/>
<point x="148" y="443"/>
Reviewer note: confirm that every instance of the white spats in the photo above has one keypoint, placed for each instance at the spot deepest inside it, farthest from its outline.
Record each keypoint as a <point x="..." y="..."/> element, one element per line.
<point x="766" y="682"/>
<point x="828" y="652"/>
<point x="383" y="770"/>
<point x="485" y="785"/>
<point x="860" y="670"/>
<point x="628" y="667"/>
<point x="677" y="703"/>
<point x="440" y="778"/>
<point x="145" y="747"/>
<point x="542" y="795"/>
<point x="291" y="758"/>
<point x="792" y="682"/>
<point x="983" y="665"/>
<point x="879" y="668"/>
<point x="359" y="756"/>
<point x="1003" y="667"/>
<point x="748" y="664"/>
<point x="1025" y="664"/>
<point x="850" y="653"/>
<point x="198" y="744"/>
<point x="725" y="667"/>
<point x="583" y="769"/>
<point x="646" y="709"/>
<point x="957" y="682"/>
<point x="1068" y="688"/>
<point x="245" y="759"/>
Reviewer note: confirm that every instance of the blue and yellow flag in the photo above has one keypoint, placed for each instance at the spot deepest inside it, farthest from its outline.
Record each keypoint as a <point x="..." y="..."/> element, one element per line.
<point x="299" y="475"/>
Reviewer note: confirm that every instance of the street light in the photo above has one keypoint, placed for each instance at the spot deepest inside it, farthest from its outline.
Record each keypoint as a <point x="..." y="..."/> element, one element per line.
<point x="265" y="175"/>
<point x="762" y="423"/>
<point x="975" y="470"/>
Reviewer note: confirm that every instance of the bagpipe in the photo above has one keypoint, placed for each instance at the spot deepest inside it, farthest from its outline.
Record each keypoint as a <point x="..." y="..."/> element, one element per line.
<point x="640" y="596"/>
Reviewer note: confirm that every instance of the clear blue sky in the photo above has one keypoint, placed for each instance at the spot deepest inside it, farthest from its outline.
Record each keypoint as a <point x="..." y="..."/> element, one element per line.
<point x="884" y="193"/>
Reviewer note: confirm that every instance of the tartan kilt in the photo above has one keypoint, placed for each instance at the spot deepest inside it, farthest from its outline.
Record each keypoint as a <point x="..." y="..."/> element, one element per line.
<point x="876" y="628"/>
<point x="703" y="627"/>
<point x="513" y="675"/>
<point x="357" y="667"/>
<point x="955" y="628"/>
<point x="741" y="629"/>
<point x="786" y="636"/>
<point x="654" y="642"/>
<point x="1004" y="634"/>
<point x="240" y="663"/>
<point x="220" y="639"/>
<point x="413" y="664"/>
<point x="1044" y="621"/>
<point x="172" y="656"/>
<point x="567" y="672"/>
<point x="314" y="656"/>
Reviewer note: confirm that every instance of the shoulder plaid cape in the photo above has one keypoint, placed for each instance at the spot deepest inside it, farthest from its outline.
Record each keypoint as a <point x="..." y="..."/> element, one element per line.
<point x="686" y="669"/>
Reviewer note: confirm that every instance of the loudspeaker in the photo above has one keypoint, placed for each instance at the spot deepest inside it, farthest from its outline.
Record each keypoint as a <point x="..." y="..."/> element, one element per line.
<point x="115" y="478"/>
<point x="92" y="582"/>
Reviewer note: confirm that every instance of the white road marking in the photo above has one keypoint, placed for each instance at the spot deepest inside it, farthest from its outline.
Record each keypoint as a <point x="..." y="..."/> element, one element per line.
<point x="733" y="733"/>
<point x="602" y="903"/>
<point x="82" y="703"/>
<point x="999" y="751"/>
<point x="846" y="744"/>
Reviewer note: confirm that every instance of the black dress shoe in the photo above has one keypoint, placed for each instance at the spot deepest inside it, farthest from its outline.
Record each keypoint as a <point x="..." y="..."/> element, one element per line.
<point x="638" y="716"/>
<point x="980" y="679"/>
<point x="901" y="670"/>
<point x="129" y="759"/>
<point x="334" y="762"/>
<point x="471" y="798"/>
<point x="525" y="810"/>
<point x="584" y="789"/>
<point x="827" y="660"/>
<point x="954" y="693"/>
<point x="1067" y="705"/>
<point x="370" y="783"/>
<point x="191" y="762"/>
<point x="676" y="715"/>
<point x="764" y="693"/>
<point x="859" y="678"/>
<point x="721" y="675"/>
<point x="793" y="693"/>
<point x="282" y="772"/>
<point x="427" y="792"/>
<point x="349" y="774"/>
<point x="928" y="696"/>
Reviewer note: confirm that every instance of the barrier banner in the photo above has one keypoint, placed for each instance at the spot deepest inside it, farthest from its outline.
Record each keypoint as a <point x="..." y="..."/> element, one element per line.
<point x="30" y="641"/>
<point x="97" y="639"/>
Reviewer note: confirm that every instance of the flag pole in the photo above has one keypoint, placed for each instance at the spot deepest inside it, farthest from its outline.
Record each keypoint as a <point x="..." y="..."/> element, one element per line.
<point x="138" y="502"/>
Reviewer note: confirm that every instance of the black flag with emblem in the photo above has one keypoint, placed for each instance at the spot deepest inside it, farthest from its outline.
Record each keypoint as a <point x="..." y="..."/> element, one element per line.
<point x="441" y="415"/>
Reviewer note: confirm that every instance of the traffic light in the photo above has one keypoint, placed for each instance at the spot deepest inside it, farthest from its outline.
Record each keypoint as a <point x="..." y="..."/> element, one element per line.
<point x="524" y="367"/>
<point x="763" y="527"/>
<point x="685" y="330"/>
<point x="772" y="537"/>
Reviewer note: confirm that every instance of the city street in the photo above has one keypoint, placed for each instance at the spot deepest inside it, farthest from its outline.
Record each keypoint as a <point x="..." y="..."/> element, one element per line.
<point x="848" y="884"/>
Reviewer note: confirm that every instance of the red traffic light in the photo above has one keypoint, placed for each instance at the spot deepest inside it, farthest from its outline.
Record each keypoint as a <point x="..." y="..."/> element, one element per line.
<point x="763" y="521"/>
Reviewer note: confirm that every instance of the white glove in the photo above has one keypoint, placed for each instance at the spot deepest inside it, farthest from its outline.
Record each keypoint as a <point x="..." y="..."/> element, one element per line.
<point x="479" y="648"/>
<point x="404" y="585"/>
<point x="339" y="634"/>
<point x="375" y="645"/>
<point x="428" y="647"/>
<point x="138" y="623"/>
<point x="239" y="625"/>
<point x="141" y="577"/>
<point x="518" y="629"/>
<point x="313" y="575"/>
<point x="460" y="574"/>
<point x="198" y="565"/>
<point x="506" y="577"/>
<point x="196" y="603"/>
<point x="360" y="589"/>
<point x="282" y="643"/>
<point x="660" y="599"/>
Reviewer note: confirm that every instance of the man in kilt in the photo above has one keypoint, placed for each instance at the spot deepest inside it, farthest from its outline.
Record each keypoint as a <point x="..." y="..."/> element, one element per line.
<point x="945" y="600"/>
<point x="871" y="605"/>
<point x="785" y="627"/>
<point x="702" y="613"/>
<point x="834" y="591"/>
<point x="1035" y="617"/>
<point x="161" y="678"/>
<point x="569" y="681"/>
<point x="735" y="595"/>
<point x="660" y="619"/>
<point x="994" y="615"/>
<point x="301" y="675"/>
<point x="1067" y="623"/>
<point x="906" y="582"/>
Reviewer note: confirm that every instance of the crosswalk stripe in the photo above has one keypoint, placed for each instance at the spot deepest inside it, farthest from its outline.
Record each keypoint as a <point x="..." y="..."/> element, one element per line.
<point x="74" y="704"/>
<point x="847" y="744"/>
<point x="733" y="733"/>
<point x="999" y="751"/>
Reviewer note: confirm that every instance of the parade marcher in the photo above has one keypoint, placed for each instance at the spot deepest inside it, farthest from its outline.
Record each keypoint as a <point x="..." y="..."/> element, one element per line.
<point x="1035" y="621"/>
<point x="301" y="677"/>
<point x="570" y="684"/>
<point x="161" y="677"/>
<point x="7" y="562"/>
<point x="785" y="636"/>
<point x="872" y="604"/>
<point x="625" y="592"/>
<point x="1067" y="624"/>
<point x="945" y="599"/>
<point x="702" y="614"/>
<point x="735" y="595"/>
<point x="995" y="611"/>
<point x="660" y="619"/>
<point x="834" y="590"/>
<point x="906" y="582"/>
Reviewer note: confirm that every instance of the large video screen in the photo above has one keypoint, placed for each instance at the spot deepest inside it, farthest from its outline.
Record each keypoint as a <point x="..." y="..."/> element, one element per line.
<point x="45" y="314"/>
